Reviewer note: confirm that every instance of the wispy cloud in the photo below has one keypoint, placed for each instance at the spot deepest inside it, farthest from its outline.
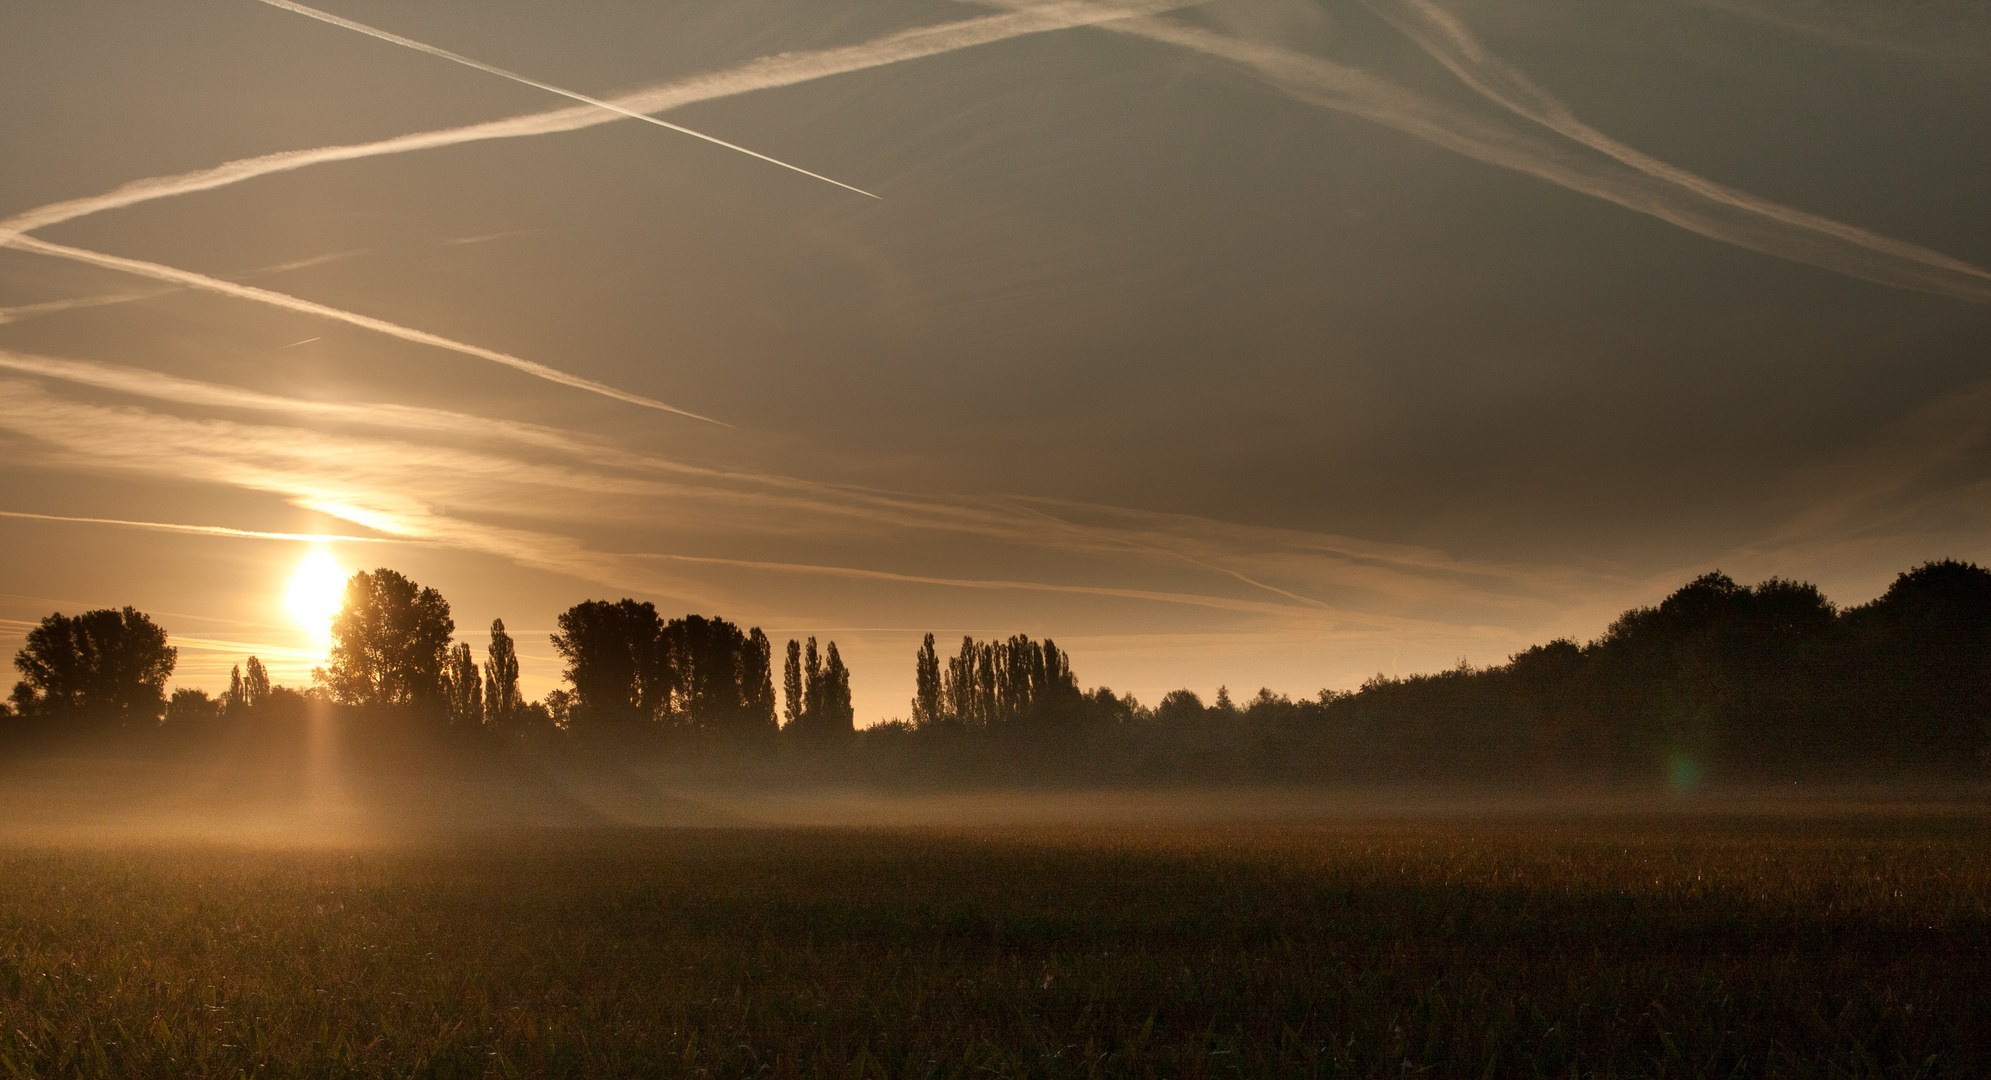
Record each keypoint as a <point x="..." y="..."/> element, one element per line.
<point x="528" y="511"/>
<point x="765" y="73"/>
<point x="1596" y="165"/>
<point x="410" y="43"/>
<point x="984" y="584"/>
<point x="1449" y="41"/>
<point x="189" y="279"/>
<point x="51" y="307"/>
<point x="605" y="483"/>
<point x="200" y="530"/>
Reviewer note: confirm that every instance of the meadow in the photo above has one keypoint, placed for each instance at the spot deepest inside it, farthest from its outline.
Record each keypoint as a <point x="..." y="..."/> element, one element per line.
<point x="1839" y="944"/>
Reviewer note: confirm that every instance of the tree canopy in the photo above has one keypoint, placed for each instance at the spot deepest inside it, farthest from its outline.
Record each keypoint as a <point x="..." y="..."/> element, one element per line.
<point x="390" y="643"/>
<point x="107" y="665"/>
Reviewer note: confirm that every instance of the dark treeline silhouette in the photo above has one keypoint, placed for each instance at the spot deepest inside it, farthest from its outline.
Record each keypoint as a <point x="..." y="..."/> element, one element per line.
<point x="1718" y="682"/>
<point x="816" y="693"/>
<point x="631" y="671"/>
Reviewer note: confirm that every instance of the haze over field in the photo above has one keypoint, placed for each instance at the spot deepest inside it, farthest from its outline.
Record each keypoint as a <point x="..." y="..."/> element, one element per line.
<point x="1257" y="342"/>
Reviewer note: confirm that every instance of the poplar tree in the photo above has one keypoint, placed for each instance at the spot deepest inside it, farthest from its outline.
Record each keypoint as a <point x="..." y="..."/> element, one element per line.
<point x="926" y="696"/>
<point x="791" y="684"/>
<point x="463" y="688"/>
<point x="812" y="684"/>
<point x="835" y="716"/>
<point x="255" y="683"/>
<point x="501" y="697"/>
<point x="757" y="682"/>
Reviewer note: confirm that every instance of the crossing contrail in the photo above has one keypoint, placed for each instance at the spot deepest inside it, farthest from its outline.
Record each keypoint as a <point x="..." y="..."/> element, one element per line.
<point x="1589" y="162"/>
<point x="1448" y="41"/>
<point x="328" y="17"/>
<point x="764" y="73"/>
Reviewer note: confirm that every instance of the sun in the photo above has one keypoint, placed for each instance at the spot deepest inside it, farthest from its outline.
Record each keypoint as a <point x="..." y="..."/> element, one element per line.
<point x="316" y="588"/>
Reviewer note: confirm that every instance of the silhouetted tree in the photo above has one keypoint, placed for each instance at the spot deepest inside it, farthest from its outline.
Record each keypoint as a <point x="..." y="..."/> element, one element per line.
<point x="1180" y="707"/>
<point x="246" y="689"/>
<point x="757" y="683"/>
<point x="463" y="687"/>
<point x="1001" y="684"/>
<point x="812" y="685"/>
<point x="255" y="683"/>
<point x="927" y="686"/>
<point x="1918" y="660"/>
<point x="795" y="705"/>
<point x="502" y="702"/>
<point x="835" y="715"/>
<point x="822" y="684"/>
<point x="615" y="663"/>
<point x="390" y="641"/>
<point x="191" y="707"/>
<point x="105" y="665"/>
<point x="720" y="677"/>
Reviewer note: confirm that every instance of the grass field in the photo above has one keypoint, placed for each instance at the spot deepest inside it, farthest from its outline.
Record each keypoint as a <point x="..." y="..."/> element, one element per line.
<point x="1675" y="946"/>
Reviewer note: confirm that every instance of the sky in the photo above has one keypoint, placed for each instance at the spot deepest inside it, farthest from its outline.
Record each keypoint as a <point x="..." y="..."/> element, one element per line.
<point x="1253" y="343"/>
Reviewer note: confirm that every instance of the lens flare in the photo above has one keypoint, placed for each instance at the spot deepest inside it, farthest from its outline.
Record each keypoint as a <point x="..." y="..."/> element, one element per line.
<point x="316" y="588"/>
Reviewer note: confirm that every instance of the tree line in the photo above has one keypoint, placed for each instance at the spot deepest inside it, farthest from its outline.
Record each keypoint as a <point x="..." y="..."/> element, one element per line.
<point x="1718" y="680"/>
<point x="627" y="672"/>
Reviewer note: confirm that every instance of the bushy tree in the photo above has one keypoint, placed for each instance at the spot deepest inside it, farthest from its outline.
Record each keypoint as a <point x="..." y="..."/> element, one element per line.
<point x="1180" y="707"/>
<point x="614" y="663"/>
<point x="390" y="642"/>
<point x="191" y="707"/>
<point x="105" y="665"/>
<point x="1917" y="662"/>
<point x="628" y="668"/>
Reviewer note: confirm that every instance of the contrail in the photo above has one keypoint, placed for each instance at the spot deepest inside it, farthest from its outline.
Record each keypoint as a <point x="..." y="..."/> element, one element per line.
<point x="295" y="344"/>
<point x="327" y="17"/>
<point x="209" y="530"/>
<point x="252" y="648"/>
<point x="1192" y="599"/>
<point x="29" y="311"/>
<point x="765" y="73"/>
<point x="1664" y="192"/>
<point x="190" y="279"/>
<point x="1448" y="41"/>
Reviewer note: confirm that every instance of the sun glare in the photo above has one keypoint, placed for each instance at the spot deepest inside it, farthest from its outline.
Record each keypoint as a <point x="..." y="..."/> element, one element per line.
<point x="316" y="587"/>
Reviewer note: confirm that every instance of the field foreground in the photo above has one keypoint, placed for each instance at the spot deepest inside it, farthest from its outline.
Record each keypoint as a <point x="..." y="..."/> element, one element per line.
<point x="1850" y="945"/>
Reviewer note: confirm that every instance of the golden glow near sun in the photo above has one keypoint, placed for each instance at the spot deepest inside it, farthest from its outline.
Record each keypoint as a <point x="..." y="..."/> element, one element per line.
<point x="316" y="587"/>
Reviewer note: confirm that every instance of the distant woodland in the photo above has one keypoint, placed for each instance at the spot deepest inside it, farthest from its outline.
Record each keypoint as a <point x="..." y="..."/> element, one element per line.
<point x="1718" y="683"/>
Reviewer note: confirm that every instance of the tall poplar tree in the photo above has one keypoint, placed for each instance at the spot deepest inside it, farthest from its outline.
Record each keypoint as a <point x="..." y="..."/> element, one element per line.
<point x="835" y="715"/>
<point x="812" y="684"/>
<point x="926" y="694"/>
<point x="757" y="682"/>
<point x="791" y="684"/>
<point x="502" y="701"/>
<point x="463" y="687"/>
